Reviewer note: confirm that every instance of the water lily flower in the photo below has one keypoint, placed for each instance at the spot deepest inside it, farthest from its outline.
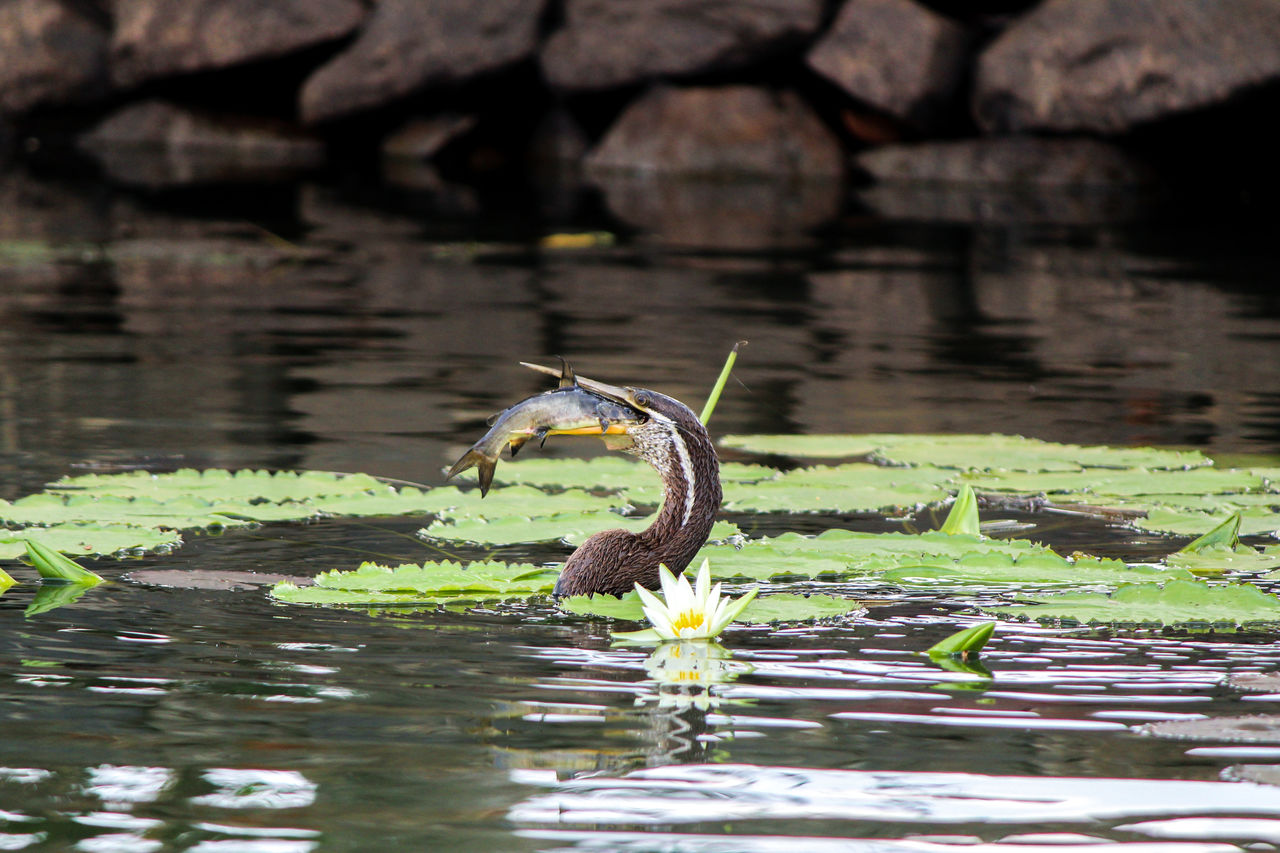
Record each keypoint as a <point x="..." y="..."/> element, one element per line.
<point x="695" y="612"/>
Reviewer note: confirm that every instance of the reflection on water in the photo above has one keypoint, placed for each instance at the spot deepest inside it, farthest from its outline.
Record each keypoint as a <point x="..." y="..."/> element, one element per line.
<point x="309" y="327"/>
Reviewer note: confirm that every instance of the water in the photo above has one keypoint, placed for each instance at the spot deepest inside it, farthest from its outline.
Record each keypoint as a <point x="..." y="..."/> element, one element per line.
<point x="312" y="328"/>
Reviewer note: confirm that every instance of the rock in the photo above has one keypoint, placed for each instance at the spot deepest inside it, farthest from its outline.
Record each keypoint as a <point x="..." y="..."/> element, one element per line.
<point x="408" y="45"/>
<point x="155" y="144"/>
<point x="607" y="43"/>
<point x="1108" y="65"/>
<point x="157" y="38"/>
<point x="747" y="215"/>
<point x="895" y="55"/>
<point x="1019" y="161"/>
<point x="49" y="55"/>
<point x="730" y="131"/>
<point x="422" y="138"/>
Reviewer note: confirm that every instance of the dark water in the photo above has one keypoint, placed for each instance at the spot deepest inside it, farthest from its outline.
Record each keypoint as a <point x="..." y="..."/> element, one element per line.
<point x="316" y="327"/>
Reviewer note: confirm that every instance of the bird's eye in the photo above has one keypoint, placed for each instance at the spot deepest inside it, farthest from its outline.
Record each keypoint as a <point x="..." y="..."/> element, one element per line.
<point x="643" y="399"/>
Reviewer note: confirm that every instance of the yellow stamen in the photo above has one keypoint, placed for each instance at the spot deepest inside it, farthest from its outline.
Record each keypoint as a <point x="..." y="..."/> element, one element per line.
<point x="687" y="619"/>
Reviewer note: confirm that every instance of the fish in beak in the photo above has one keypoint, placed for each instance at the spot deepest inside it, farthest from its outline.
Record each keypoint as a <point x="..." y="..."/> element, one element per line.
<point x="574" y="408"/>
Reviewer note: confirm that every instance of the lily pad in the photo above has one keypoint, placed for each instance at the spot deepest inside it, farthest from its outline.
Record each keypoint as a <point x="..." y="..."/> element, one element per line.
<point x="1254" y="521"/>
<point x="1176" y="603"/>
<point x="512" y="529"/>
<point x="854" y="487"/>
<point x="223" y="485"/>
<point x="765" y="609"/>
<point x="1126" y="483"/>
<point x="967" y="452"/>
<point x="1220" y="551"/>
<point x="88" y="539"/>
<point x="840" y="553"/>
<point x="373" y="584"/>
<point x="1040" y="569"/>
<point x="608" y="473"/>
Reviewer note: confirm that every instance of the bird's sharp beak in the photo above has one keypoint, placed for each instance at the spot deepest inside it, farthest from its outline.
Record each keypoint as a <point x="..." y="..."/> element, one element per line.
<point x="617" y="428"/>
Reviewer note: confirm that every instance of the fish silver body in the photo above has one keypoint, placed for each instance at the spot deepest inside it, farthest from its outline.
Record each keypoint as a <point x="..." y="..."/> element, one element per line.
<point x="568" y="410"/>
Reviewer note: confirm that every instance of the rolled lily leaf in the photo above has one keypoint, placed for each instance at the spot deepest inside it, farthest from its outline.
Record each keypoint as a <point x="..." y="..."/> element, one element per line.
<point x="6" y="580"/>
<point x="53" y="566"/>
<point x="966" y="643"/>
<point x="963" y="518"/>
<point x="1225" y="535"/>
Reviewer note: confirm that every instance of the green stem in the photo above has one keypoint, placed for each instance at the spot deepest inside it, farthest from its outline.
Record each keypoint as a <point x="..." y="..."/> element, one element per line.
<point x="719" y="386"/>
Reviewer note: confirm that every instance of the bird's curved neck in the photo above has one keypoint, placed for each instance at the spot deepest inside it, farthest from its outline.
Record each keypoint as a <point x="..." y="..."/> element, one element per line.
<point x="690" y="472"/>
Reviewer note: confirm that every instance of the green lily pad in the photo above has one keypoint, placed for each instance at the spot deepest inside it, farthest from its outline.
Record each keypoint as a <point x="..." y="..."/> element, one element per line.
<point x="1178" y="602"/>
<point x="967" y="452"/>
<point x="1127" y="483"/>
<point x="83" y="540"/>
<point x="52" y="566"/>
<point x="1040" y="569"/>
<point x="222" y="485"/>
<point x="1254" y="521"/>
<point x="854" y="487"/>
<point x="963" y="517"/>
<point x="789" y="607"/>
<point x="512" y="529"/>
<point x="765" y="609"/>
<point x="429" y="583"/>
<point x="608" y="473"/>
<point x="1220" y="551"/>
<point x="840" y="553"/>
<point x="183" y="512"/>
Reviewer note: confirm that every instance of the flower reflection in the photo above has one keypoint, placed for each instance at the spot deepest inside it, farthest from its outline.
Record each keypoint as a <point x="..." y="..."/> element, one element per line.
<point x="687" y="671"/>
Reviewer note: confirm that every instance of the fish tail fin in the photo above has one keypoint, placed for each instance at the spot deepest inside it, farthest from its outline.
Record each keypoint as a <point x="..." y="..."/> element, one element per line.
<point x="483" y="465"/>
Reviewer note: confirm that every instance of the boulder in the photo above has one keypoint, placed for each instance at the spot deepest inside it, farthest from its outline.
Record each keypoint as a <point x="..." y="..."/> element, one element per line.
<point x="408" y="46"/>
<point x="158" y="38"/>
<point x="729" y="131"/>
<point x="1017" y="161"/>
<point x="897" y="56"/>
<point x="606" y="43"/>
<point x="158" y="144"/>
<point x="1108" y="65"/>
<point x="49" y="54"/>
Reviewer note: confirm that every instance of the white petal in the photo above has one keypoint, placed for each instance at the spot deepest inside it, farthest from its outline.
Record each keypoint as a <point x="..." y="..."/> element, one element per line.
<point x="668" y="583"/>
<point x="704" y="579"/>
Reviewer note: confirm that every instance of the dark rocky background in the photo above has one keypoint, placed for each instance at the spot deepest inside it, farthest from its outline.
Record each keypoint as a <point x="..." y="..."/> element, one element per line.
<point x="1063" y="92"/>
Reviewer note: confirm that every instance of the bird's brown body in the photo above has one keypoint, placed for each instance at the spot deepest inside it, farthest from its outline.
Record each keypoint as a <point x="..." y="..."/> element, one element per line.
<point x="669" y="436"/>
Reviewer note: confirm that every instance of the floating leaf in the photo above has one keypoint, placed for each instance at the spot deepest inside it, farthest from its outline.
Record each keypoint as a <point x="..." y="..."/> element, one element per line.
<point x="182" y="512"/>
<point x="721" y="531"/>
<point x="628" y="607"/>
<point x="1254" y="521"/>
<point x="963" y="517"/>
<point x="429" y="583"/>
<point x="788" y="607"/>
<point x="765" y="609"/>
<point x="53" y="566"/>
<point x="968" y="452"/>
<point x="87" y="539"/>
<point x="967" y="642"/>
<point x="220" y="485"/>
<point x="838" y="553"/>
<point x="855" y="487"/>
<point x="1126" y="483"/>
<point x="512" y="529"/>
<point x="1220" y="551"/>
<point x="609" y="473"/>
<point x="1177" y="602"/>
<point x="1040" y="569"/>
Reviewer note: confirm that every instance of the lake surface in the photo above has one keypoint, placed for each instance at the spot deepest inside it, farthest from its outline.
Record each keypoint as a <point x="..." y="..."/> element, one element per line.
<point x="332" y="328"/>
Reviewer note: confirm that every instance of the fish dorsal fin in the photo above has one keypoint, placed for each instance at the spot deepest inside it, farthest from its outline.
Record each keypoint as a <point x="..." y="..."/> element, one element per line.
<point x="567" y="378"/>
